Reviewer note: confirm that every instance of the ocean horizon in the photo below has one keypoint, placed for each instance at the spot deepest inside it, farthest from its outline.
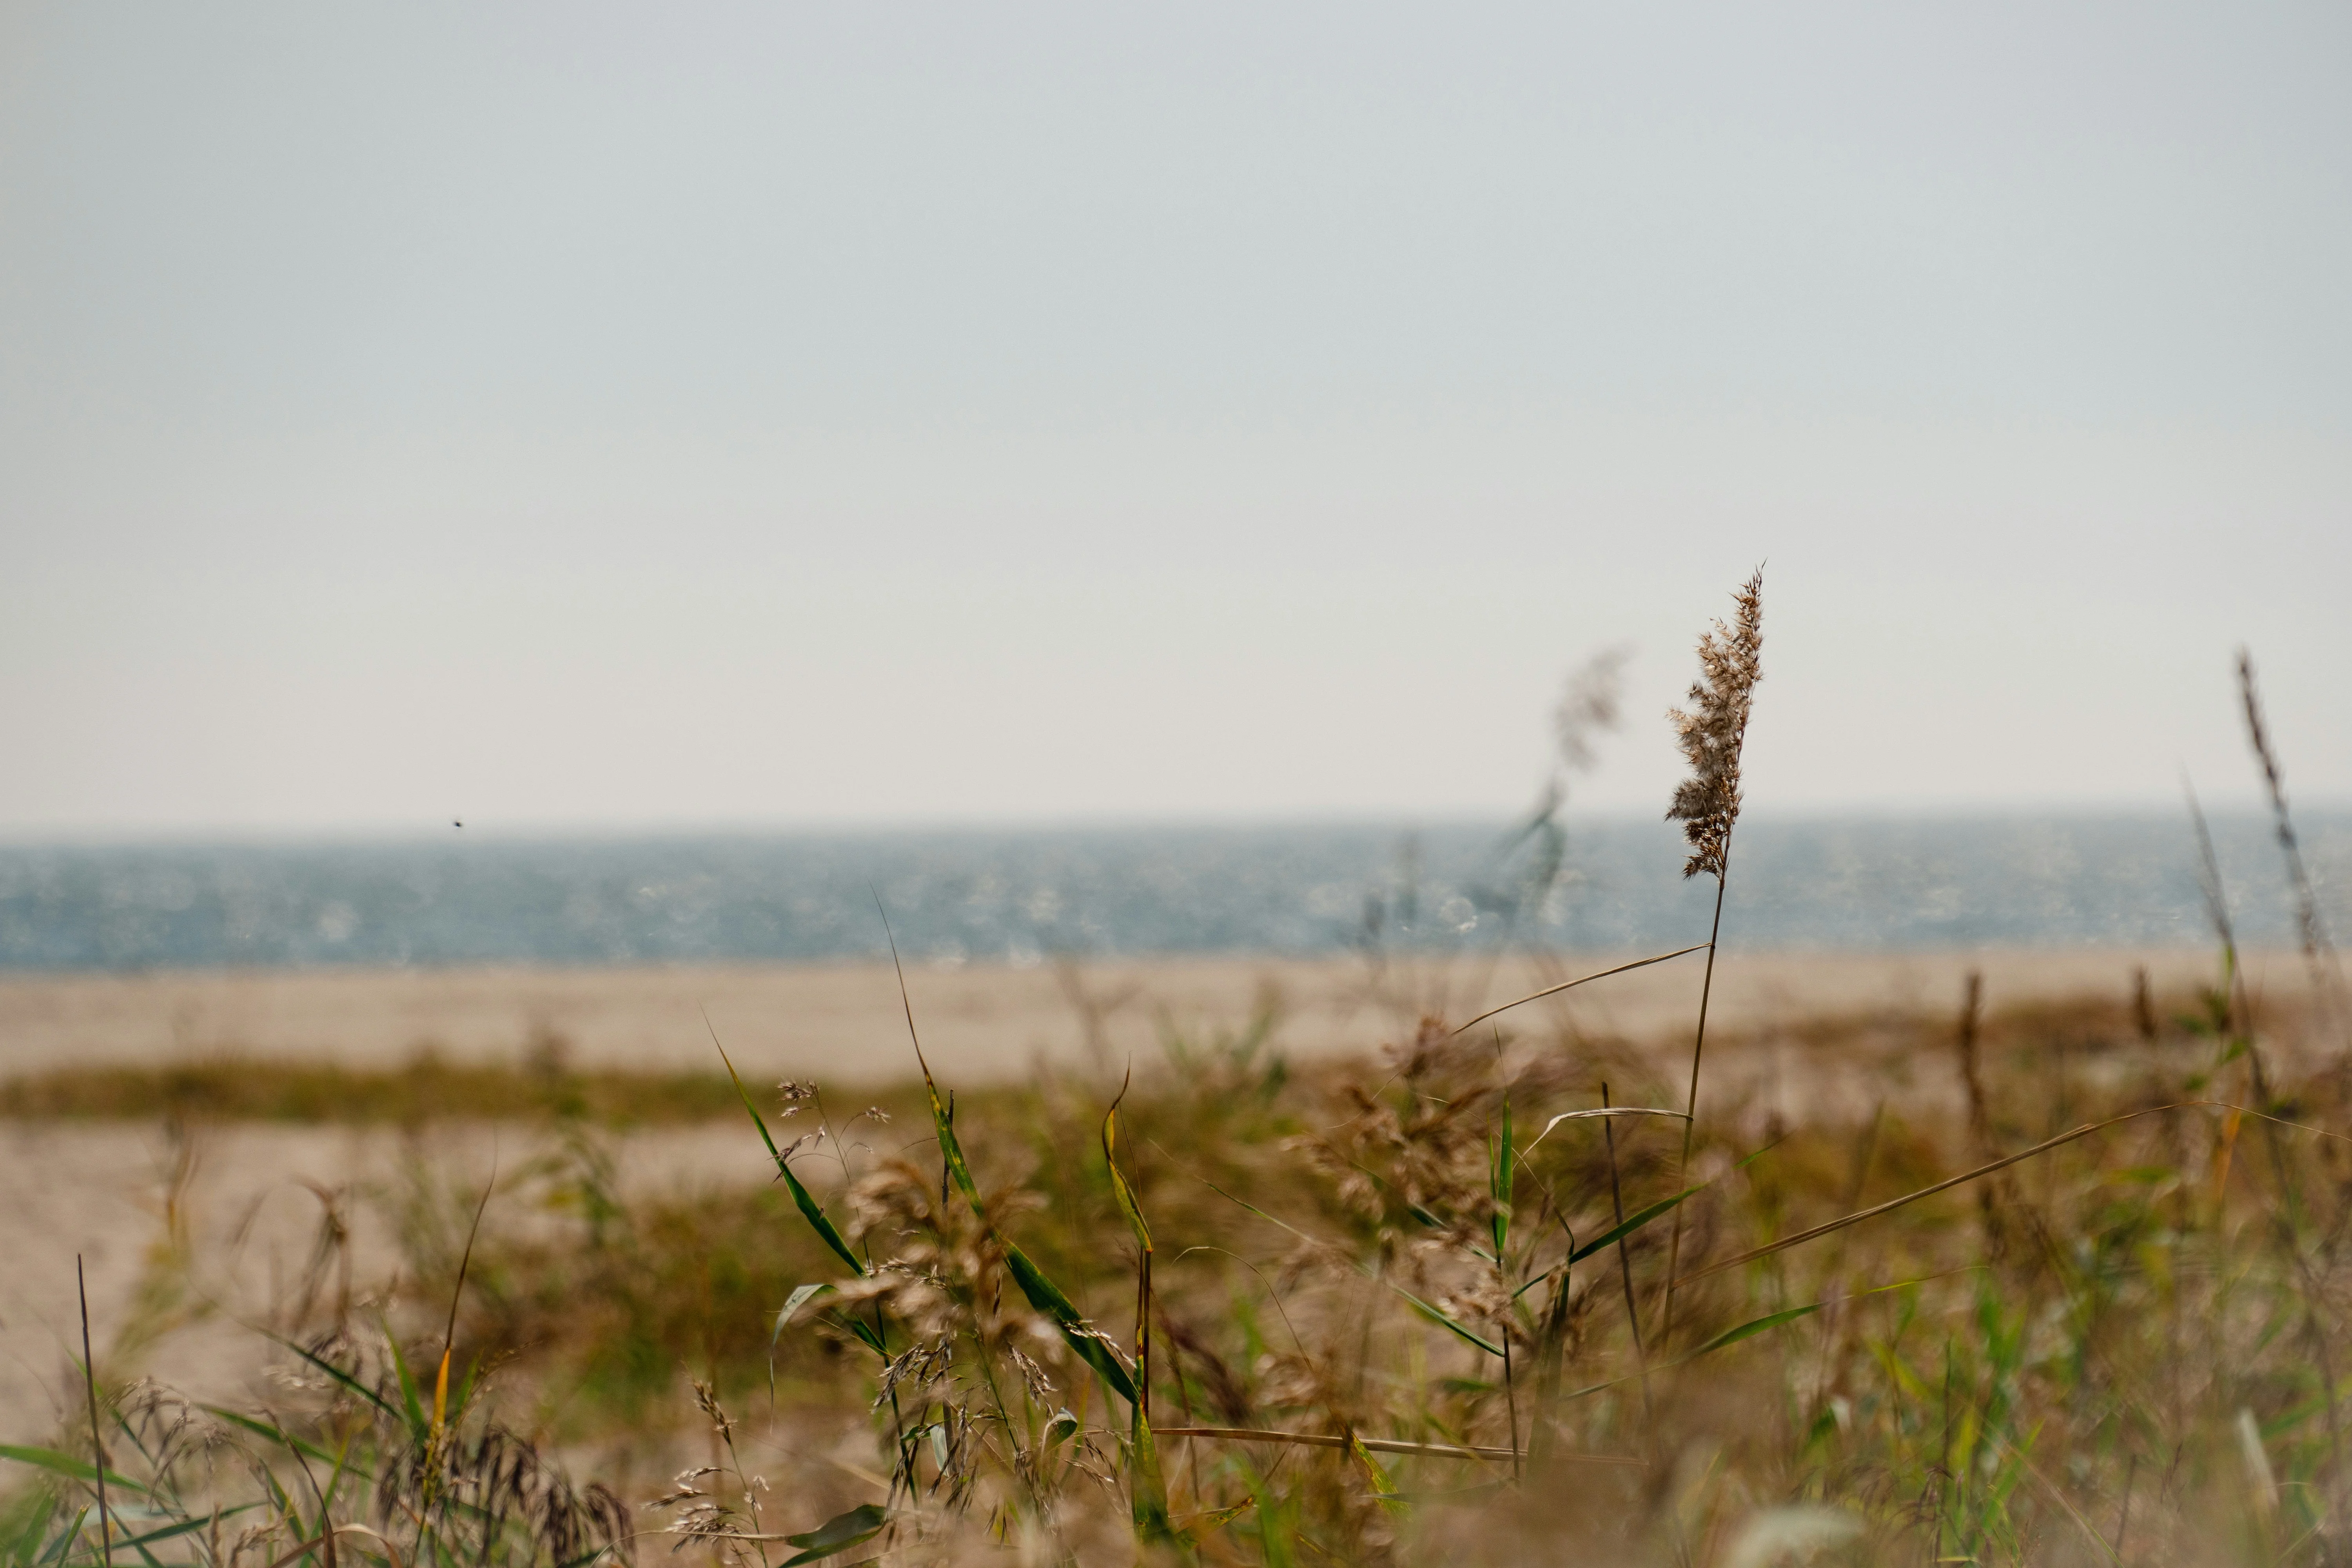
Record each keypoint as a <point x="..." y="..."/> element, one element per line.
<point x="1865" y="883"/>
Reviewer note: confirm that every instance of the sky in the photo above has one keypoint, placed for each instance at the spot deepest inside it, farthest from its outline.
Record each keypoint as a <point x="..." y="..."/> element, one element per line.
<point x="627" y="419"/>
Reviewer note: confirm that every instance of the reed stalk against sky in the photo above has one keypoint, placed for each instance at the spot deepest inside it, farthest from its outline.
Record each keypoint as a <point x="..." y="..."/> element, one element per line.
<point x="1712" y="731"/>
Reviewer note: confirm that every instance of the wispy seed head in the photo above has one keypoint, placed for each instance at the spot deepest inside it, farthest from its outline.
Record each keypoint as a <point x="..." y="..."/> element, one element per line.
<point x="1712" y="731"/>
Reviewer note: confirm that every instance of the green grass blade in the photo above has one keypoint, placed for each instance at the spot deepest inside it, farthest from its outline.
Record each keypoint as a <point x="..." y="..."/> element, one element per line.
<point x="810" y="1209"/>
<point x="1148" y="1495"/>
<point x="420" y="1428"/>
<point x="338" y="1373"/>
<point x="67" y="1465"/>
<point x="1042" y="1294"/>
<point x="1047" y="1298"/>
<point x="73" y="1532"/>
<point x="1633" y="1222"/>
<point x="951" y="1150"/>
<point x="1200" y="1526"/>
<point x="1445" y="1320"/>
<point x="1120" y="1189"/>
<point x="342" y="1462"/>
<point x="184" y="1526"/>
<point x="26" y="1522"/>
<point x="839" y="1534"/>
<point x="800" y="1297"/>
<point x="867" y="1334"/>
<point x="1757" y="1326"/>
<point x="1769" y="1321"/>
<point x="1383" y="1489"/>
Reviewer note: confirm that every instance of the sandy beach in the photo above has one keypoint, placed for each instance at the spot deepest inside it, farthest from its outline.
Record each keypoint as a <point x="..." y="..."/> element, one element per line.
<point x="844" y="1021"/>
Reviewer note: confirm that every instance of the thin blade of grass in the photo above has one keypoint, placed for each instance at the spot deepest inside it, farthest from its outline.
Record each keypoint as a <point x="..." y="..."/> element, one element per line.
<point x="1120" y="1189"/>
<point x="1076" y="1332"/>
<point x="1734" y="1335"/>
<point x="1443" y="1318"/>
<point x="1042" y="1293"/>
<point x="419" y="1431"/>
<point x="186" y="1525"/>
<point x="839" y="1534"/>
<point x="810" y="1210"/>
<point x="2045" y="1146"/>
<point x="1603" y="1113"/>
<point x="1377" y="1444"/>
<point x="1633" y="1223"/>
<point x="1579" y="980"/>
<point x="67" y="1465"/>
<point x="1383" y="1489"/>
<point x="1745" y="1330"/>
<point x="57" y="1549"/>
<point x="277" y="1435"/>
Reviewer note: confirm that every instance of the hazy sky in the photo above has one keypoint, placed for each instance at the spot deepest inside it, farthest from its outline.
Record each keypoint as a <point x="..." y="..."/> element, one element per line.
<point x="650" y="417"/>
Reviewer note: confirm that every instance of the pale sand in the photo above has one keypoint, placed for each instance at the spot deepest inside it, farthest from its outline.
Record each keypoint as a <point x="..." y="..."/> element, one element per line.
<point x="843" y="1022"/>
<point x="97" y="1188"/>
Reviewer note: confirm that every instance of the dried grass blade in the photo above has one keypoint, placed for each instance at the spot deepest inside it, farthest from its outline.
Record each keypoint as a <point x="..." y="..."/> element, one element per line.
<point x="1603" y="1113"/>
<point x="1768" y="1248"/>
<point x="1581" y="980"/>
<point x="1376" y="1444"/>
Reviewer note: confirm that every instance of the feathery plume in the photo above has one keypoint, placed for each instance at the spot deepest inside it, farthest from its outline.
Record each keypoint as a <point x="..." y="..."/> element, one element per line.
<point x="1714" y="729"/>
<point x="1587" y="707"/>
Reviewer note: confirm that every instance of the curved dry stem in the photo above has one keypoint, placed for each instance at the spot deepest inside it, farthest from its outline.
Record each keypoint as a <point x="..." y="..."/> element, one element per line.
<point x="1579" y="980"/>
<point x="1377" y="1444"/>
<point x="1769" y="1247"/>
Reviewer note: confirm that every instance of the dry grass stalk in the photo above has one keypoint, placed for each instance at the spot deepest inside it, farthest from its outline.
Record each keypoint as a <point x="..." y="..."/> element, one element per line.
<point x="1380" y="1445"/>
<point x="1998" y="1198"/>
<point x="2319" y="951"/>
<point x="1713" y="733"/>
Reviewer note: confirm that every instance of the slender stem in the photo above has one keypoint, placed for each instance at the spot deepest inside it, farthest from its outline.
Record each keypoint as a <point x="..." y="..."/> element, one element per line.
<point x="1143" y="1339"/>
<point x="1690" y="1110"/>
<point x="97" y="1443"/>
<point x="1624" y="1261"/>
<point x="1511" y="1399"/>
<point x="1377" y="1444"/>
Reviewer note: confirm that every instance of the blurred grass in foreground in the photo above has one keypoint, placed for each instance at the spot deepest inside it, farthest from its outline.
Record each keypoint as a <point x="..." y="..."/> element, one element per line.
<point x="2074" y="1348"/>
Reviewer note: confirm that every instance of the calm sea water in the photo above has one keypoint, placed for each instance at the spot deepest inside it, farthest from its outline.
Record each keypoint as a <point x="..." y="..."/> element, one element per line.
<point x="1854" y="883"/>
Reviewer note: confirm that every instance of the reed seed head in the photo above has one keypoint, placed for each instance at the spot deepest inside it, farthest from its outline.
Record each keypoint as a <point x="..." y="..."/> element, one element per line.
<point x="1714" y="729"/>
<point x="1587" y="707"/>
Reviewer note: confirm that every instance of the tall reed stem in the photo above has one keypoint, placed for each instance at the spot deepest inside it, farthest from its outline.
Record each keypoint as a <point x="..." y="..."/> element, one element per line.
<point x="1690" y="1107"/>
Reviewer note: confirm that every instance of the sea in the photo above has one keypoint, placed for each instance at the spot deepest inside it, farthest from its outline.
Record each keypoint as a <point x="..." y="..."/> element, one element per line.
<point x="1029" y="895"/>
